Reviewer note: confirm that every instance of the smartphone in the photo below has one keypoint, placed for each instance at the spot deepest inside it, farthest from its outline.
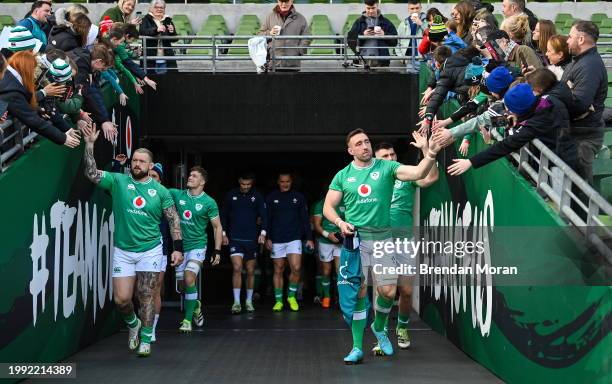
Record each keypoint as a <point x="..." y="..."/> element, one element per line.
<point x="523" y="60"/>
<point x="138" y="13"/>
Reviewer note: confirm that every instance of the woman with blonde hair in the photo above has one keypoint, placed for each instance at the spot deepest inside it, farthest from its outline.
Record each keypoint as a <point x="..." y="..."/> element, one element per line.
<point x="17" y="89"/>
<point x="463" y="14"/>
<point x="517" y="27"/>
<point x="122" y="13"/>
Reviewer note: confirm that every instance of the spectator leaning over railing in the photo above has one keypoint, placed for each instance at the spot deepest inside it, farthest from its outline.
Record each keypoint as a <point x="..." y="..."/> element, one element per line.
<point x="285" y="20"/>
<point x="40" y="11"/>
<point x="516" y="7"/>
<point x="373" y="23"/>
<point x="537" y="117"/>
<point x="587" y="78"/>
<point x="157" y="23"/>
<point x="557" y="53"/>
<point x="17" y="89"/>
<point x="122" y="12"/>
<point x="70" y="34"/>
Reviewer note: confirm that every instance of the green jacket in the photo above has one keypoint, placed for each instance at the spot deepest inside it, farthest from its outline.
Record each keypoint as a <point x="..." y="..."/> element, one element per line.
<point x="121" y="54"/>
<point x="115" y="15"/>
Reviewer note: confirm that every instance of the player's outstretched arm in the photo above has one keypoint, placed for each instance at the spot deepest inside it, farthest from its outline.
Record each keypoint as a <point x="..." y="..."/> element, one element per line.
<point x="90" y="134"/>
<point x="420" y="171"/>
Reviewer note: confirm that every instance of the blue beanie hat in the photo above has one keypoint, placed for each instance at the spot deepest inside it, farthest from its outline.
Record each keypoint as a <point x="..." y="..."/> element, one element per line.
<point x="499" y="80"/>
<point x="157" y="167"/>
<point x="520" y="99"/>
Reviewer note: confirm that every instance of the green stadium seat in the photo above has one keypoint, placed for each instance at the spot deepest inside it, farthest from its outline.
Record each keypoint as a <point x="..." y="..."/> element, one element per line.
<point x="562" y="17"/>
<point x="597" y="18"/>
<point x="350" y="19"/>
<point x="606" y="23"/>
<point x="6" y="20"/>
<point x="393" y="19"/>
<point x="248" y="25"/>
<point x="320" y="25"/>
<point x="605" y="188"/>
<point x="499" y="17"/>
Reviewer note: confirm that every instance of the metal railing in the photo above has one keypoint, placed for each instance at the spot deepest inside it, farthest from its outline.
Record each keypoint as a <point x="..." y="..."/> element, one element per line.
<point x="561" y="186"/>
<point x="14" y="137"/>
<point x="220" y="50"/>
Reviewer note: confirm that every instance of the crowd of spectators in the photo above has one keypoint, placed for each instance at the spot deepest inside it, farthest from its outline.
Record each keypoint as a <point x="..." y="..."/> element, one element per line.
<point x="519" y="76"/>
<point x="55" y="64"/>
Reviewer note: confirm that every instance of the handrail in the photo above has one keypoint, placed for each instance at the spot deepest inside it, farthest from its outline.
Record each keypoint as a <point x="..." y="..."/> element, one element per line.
<point x="218" y="43"/>
<point x="13" y="131"/>
<point x="593" y="229"/>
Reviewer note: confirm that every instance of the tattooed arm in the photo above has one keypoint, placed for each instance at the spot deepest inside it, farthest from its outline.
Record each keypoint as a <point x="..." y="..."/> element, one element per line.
<point x="91" y="170"/>
<point x="173" y="222"/>
<point x="175" y="231"/>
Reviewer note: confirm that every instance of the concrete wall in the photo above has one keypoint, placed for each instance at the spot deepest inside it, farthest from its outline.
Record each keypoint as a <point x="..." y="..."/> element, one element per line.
<point x="198" y="13"/>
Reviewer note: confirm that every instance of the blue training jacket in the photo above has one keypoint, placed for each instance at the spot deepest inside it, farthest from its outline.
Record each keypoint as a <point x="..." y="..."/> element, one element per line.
<point x="239" y="214"/>
<point x="287" y="217"/>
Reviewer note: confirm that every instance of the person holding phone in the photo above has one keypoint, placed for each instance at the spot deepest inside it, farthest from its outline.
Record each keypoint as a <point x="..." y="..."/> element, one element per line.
<point x="122" y="13"/>
<point x="373" y="23"/>
<point x="157" y="23"/>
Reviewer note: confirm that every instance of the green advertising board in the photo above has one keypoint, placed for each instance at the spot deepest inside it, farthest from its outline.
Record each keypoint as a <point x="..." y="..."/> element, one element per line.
<point x="548" y="322"/>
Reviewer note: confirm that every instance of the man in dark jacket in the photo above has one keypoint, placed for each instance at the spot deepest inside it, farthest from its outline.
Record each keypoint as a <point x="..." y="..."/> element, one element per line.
<point x="17" y="96"/>
<point x="90" y="64"/>
<point x="452" y="78"/>
<point x="543" y="118"/>
<point x="373" y="23"/>
<point x="587" y="78"/>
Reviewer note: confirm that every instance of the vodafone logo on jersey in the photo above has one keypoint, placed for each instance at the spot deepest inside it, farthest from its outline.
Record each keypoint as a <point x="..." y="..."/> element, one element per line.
<point x="139" y="202"/>
<point x="187" y="214"/>
<point x="364" y="190"/>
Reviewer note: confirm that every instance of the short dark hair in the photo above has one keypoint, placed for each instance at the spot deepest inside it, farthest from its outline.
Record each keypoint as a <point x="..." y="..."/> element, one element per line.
<point x="54" y="53"/>
<point x="370" y="2"/>
<point x="285" y="172"/>
<point x="201" y="171"/>
<point x="353" y="133"/>
<point x="442" y="53"/>
<point x="115" y="33"/>
<point x="519" y="3"/>
<point x="414" y="2"/>
<point x="543" y="79"/>
<point x="383" y="145"/>
<point x="131" y="30"/>
<point x="101" y="51"/>
<point x="247" y="176"/>
<point x="588" y="27"/>
<point x="39" y="4"/>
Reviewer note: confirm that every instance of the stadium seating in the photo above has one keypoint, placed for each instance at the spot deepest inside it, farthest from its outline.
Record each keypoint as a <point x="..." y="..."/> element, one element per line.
<point x="214" y="25"/>
<point x="248" y="25"/>
<point x="320" y="25"/>
<point x="6" y="21"/>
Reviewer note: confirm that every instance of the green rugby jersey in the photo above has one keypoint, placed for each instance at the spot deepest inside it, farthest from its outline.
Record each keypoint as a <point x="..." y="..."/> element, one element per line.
<point x="366" y="193"/>
<point x="138" y="209"/>
<point x="317" y="210"/>
<point x="195" y="213"/>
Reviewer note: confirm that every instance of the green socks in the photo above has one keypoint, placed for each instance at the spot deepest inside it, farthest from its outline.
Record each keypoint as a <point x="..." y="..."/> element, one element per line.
<point x="325" y="284"/>
<point x="293" y="287"/>
<point x="318" y="285"/>
<point x="191" y="296"/>
<point x="145" y="334"/>
<point x="131" y="320"/>
<point x="402" y="321"/>
<point x="360" y="316"/>
<point x="383" y="307"/>
<point x="278" y="294"/>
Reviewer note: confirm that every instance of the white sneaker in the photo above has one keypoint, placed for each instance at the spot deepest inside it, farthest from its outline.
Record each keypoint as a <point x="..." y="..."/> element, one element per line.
<point x="134" y="333"/>
<point x="153" y="339"/>
<point x="144" y="350"/>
